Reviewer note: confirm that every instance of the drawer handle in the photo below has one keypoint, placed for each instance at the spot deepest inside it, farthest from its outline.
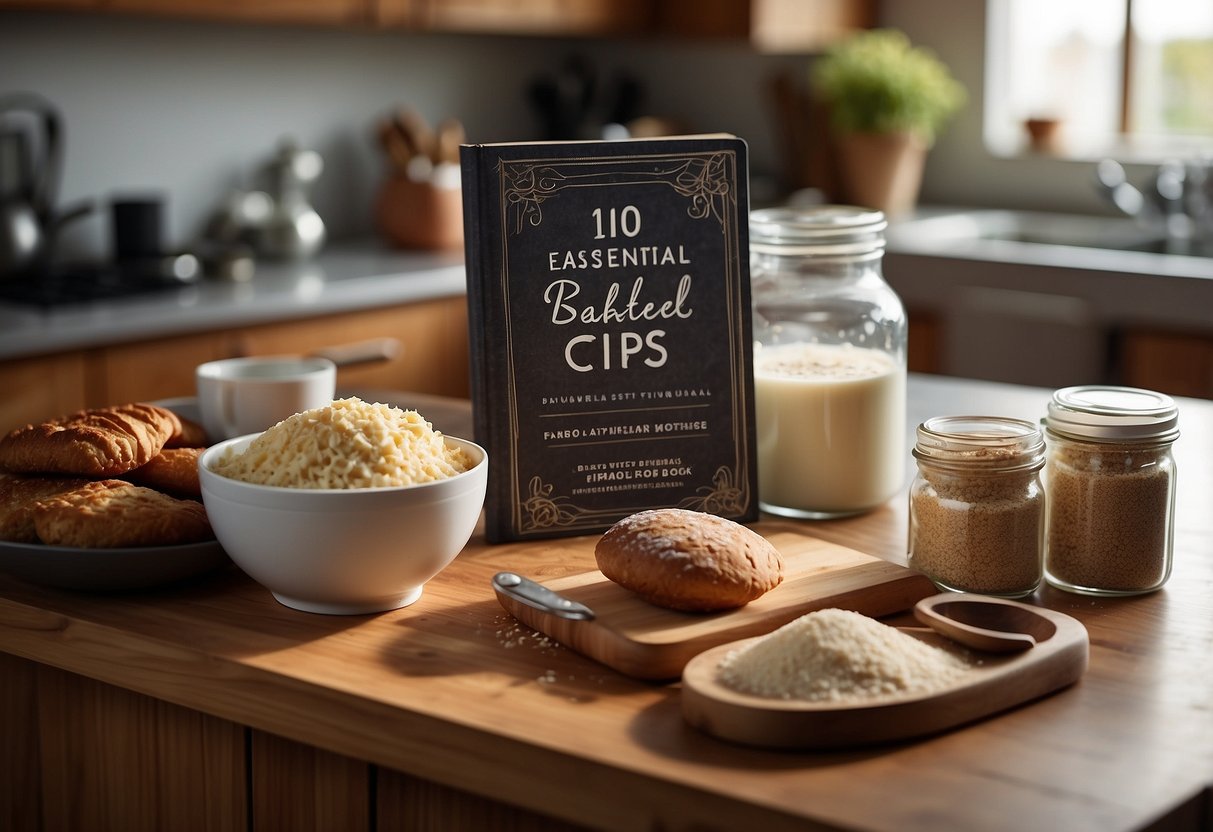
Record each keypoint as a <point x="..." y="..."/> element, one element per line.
<point x="371" y="351"/>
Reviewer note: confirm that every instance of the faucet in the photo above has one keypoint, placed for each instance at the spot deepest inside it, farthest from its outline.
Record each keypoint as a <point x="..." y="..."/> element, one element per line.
<point x="1177" y="203"/>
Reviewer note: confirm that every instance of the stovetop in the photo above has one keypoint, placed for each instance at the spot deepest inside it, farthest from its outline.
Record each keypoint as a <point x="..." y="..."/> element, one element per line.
<point x="82" y="284"/>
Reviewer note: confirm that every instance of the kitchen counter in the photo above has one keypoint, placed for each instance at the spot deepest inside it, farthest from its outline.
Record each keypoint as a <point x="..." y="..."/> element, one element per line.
<point x="1054" y="299"/>
<point x="344" y="277"/>
<point x="451" y="697"/>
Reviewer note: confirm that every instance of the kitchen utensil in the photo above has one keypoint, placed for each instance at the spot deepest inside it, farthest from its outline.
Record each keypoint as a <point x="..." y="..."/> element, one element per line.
<point x="137" y="227"/>
<point x="650" y="642"/>
<point x="293" y="230"/>
<point x="536" y="595"/>
<point x="994" y="625"/>
<point x="449" y="137"/>
<point x="994" y="683"/>
<point x="29" y="222"/>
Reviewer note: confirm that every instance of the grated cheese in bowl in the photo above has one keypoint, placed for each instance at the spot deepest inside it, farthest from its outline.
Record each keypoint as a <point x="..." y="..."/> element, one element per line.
<point x="347" y="444"/>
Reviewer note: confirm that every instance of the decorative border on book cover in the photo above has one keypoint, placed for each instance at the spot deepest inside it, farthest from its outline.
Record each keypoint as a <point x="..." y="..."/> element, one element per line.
<point x="633" y="390"/>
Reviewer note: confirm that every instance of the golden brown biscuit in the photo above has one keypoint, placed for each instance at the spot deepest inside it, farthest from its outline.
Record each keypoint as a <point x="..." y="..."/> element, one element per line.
<point x="689" y="560"/>
<point x="102" y="442"/>
<point x="186" y="433"/>
<point x="109" y="514"/>
<point x="17" y="497"/>
<point x="174" y="470"/>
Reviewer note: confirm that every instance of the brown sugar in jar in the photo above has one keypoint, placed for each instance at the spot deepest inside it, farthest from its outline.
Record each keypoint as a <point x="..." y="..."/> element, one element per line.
<point x="977" y="505"/>
<point x="1110" y="475"/>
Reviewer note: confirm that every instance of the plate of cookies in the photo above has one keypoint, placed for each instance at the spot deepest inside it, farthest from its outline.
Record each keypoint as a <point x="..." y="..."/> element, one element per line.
<point x="106" y="499"/>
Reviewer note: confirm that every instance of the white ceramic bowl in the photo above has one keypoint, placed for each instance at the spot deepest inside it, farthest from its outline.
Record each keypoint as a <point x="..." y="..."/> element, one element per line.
<point x="343" y="551"/>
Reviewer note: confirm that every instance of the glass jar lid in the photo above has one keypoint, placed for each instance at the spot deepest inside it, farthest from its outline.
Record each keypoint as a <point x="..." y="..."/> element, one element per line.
<point x="1115" y="414"/>
<point x="980" y="442"/>
<point x="827" y="230"/>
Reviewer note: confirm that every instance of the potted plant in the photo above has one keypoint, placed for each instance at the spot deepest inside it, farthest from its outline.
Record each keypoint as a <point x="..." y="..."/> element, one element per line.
<point x="887" y="101"/>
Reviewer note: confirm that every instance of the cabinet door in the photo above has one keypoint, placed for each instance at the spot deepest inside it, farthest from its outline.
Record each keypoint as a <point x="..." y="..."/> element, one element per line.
<point x="41" y="388"/>
<point x="769" y="25"/>
<point x="432" y="336"/>
<point x="1169" y="362"/>
<point x="563" y="17"/>
<point x="265" y="11"/>
<point x="152" y="369"/>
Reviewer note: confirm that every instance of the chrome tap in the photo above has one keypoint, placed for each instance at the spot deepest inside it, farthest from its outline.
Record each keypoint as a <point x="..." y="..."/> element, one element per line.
<point x="1177" y="203"/>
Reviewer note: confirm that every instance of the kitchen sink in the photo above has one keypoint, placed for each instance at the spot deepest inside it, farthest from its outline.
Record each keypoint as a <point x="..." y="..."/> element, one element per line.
<point x="1042" y="298"/>
<point x="1007" y="233"/>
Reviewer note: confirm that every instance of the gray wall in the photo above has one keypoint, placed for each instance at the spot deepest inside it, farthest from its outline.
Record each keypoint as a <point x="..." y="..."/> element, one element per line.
<point x="193" y="108"/>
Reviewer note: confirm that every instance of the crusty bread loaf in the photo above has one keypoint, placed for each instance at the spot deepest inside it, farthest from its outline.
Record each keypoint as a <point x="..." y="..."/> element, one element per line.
<point x="102" y="442"/>
<point x="688" y="560"/>
<point x="107" y="514"/>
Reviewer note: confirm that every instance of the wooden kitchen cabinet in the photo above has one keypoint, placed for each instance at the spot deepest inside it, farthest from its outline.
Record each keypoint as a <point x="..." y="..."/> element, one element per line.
<point x="433" y="355"/>
<point x="768" y="25"/>
<point x="1177" y="363"/>
<point x="82" y="754"/>
<point x="32" y="389"/>
<point x="532" y="17"/>
<point x="433" y="340"/>
<point x="316" y="12"/>
<point x="432" y="358"/>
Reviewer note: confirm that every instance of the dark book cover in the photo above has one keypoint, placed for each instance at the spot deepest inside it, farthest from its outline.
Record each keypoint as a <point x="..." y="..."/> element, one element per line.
<point x="609" y="312"/>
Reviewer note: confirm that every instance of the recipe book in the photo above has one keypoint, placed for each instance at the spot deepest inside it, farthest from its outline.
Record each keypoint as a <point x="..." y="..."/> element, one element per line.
<point x="609" y="313"/>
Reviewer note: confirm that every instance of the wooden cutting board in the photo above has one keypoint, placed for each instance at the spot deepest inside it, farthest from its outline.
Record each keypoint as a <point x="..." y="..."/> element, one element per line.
<point x="649" y="642"/>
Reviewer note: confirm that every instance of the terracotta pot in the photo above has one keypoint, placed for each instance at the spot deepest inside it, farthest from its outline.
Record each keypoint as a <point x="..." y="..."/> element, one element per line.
<point x="881" y="170"/>
<point x="420" y="215"/>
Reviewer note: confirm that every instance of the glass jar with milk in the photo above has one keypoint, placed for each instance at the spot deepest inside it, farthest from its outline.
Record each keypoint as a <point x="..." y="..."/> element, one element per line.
<point x="829" y="362"/>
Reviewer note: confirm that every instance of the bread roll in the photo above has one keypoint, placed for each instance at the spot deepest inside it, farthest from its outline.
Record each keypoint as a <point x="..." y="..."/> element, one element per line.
<point x="688" y="560"/>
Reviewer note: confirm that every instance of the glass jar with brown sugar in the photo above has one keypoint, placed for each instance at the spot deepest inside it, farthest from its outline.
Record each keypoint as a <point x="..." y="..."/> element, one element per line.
<point x="1110" y="476"/>
<point x="977" y="505"/>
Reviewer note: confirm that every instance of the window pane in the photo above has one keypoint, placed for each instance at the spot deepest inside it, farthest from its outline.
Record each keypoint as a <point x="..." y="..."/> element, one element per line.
<point x="1056" y="60"/>
<point x="1171" y="77"/>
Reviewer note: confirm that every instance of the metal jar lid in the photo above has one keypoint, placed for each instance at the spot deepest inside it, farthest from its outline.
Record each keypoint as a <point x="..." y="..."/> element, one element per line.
<point x="823" y="230"/>
<point x="1114" y="414"/>
<point x="980" y="442"/>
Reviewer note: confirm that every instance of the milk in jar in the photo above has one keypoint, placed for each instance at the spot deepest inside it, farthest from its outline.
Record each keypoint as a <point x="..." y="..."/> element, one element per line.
<point x="829" y="362"/>
<point x="830" y="424"/>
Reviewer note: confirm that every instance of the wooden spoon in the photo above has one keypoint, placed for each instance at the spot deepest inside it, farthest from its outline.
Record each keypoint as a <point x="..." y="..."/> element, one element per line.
<point x="995" y="625"/>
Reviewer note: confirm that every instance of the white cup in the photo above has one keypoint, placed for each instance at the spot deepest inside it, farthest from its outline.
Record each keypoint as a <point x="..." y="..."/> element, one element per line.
<point x="237" y="396"/>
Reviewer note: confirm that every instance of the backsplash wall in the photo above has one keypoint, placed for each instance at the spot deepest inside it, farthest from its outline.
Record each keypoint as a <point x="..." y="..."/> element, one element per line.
<point x="191" y="109"/>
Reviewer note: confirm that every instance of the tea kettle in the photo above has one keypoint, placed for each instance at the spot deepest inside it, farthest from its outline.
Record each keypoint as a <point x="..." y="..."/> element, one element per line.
<point x="29" y="182"/>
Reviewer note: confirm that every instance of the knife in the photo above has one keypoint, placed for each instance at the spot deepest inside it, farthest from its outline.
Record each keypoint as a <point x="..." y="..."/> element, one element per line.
<point x="526" y="591"/>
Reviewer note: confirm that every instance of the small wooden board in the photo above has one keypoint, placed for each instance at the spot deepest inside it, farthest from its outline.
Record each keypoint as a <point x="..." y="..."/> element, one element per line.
<point x="999" y="681"/>
<point x="650" y="642"/>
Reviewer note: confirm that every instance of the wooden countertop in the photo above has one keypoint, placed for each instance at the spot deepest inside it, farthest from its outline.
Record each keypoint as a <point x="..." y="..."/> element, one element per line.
<point x="453" y="690"/>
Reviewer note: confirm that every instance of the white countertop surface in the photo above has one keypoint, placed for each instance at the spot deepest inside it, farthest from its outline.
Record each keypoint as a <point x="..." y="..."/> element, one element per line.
<point x="345" y="277"/>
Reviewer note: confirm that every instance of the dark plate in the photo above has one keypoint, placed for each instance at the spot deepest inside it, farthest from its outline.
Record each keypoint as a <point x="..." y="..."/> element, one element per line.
<point x="114" y="570"/>
<point x="109" y="570"/>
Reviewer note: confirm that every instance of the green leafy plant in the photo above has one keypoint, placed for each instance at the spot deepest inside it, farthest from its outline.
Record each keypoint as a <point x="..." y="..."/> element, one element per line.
<point x="877" y="82"/>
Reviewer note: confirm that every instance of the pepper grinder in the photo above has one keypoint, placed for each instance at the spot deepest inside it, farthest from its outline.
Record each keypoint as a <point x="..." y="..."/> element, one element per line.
<point x="293" y="231"/>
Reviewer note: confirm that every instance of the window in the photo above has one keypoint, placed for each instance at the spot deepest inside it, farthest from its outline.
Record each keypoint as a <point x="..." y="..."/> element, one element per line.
<point x="1082" y="78"/>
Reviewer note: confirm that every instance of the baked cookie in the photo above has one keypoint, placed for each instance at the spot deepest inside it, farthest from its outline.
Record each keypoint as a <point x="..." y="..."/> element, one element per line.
<point x="109" y="514"/>
<point x="186" y="432"/>
<point x="174" y="470"/>
<point x="689" y="560"/>
<point x="17" y="497"/>
<point x="102" y="442"/>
